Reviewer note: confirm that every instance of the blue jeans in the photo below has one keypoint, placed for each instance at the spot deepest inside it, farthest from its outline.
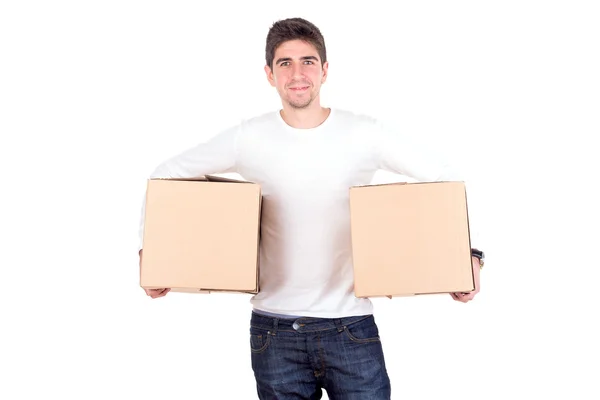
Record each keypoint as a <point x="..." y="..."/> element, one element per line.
<point x="298" y="358"/>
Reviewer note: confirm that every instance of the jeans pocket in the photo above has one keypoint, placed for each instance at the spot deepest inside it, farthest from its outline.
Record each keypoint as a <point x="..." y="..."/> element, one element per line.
<point x="364" y="331"/>
<point x="259" y="341"/>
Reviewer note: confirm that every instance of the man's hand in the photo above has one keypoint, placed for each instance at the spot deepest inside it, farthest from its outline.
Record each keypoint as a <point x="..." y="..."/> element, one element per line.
<point x="153" y="293"/>
<point x="468" y="296"/>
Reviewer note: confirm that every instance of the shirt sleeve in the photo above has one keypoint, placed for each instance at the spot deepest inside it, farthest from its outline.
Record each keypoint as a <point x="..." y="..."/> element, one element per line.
<point x="215" y="156"/>
<point x="397" y="153"/>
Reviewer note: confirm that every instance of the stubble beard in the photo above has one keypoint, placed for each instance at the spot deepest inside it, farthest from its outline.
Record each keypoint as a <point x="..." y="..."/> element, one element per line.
<point x="300" y="104"/>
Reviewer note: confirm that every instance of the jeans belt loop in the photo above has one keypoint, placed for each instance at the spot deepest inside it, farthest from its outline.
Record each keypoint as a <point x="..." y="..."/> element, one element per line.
<point x="338" y="324"/>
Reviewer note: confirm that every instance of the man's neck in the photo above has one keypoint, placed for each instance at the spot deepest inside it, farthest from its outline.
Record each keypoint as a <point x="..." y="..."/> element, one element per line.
<point x="306" y="118"/>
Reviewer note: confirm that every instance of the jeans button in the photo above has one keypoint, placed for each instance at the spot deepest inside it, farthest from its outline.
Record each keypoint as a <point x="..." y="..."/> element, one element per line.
<point x="295" y="326"/>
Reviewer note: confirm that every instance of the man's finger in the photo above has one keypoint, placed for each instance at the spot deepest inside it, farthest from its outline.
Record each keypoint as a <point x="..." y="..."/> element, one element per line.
<point x="467" y="297"/>
<point x="462" y="297"/>
<point x="160" y="292"/>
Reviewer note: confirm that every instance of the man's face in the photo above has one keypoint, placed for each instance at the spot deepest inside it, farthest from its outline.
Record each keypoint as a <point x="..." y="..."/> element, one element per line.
<point x="297" y="73"/>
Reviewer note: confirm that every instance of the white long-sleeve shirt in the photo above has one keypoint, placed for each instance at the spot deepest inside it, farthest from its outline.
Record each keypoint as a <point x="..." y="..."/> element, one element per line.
<point x="305" y="175"/>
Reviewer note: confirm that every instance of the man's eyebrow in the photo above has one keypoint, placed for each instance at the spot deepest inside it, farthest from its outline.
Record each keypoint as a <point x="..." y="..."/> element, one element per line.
<point x="283" y="59"/>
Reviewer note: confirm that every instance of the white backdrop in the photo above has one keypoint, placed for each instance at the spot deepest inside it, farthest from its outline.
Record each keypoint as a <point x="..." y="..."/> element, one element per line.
<point x="95" y="94"/>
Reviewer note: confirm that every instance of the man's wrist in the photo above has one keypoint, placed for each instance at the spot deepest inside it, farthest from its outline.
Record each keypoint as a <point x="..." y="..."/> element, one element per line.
<point x="479" y="255"/>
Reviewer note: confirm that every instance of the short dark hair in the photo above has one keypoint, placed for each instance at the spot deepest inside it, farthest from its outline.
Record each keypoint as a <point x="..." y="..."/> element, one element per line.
<point x="294" y="29"/>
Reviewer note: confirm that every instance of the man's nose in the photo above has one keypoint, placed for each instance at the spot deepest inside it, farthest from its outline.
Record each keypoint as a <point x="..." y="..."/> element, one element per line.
<point x="297" y="71"/>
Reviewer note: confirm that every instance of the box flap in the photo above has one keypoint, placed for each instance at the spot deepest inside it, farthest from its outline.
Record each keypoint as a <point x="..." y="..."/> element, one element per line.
<point x="215" y="178"/>
<point x="206" y="178"/>
<point x="193" y="179"/>
<point x="377" y="184"/>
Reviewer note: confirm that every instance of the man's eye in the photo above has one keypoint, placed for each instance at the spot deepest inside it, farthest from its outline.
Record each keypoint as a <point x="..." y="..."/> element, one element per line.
<point x="284" y="64"/>
<point x="309" y="62"/>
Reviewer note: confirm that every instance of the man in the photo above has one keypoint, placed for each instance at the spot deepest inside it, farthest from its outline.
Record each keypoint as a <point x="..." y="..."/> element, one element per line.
<point x="308" y="331"/>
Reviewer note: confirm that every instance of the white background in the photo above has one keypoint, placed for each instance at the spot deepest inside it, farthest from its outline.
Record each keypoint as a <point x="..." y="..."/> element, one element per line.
<point x="94" y="94"/>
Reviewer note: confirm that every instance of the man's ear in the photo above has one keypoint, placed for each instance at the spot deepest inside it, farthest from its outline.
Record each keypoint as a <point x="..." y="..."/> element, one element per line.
<point x="325" y="71"/>
<point x="270" y="76"/>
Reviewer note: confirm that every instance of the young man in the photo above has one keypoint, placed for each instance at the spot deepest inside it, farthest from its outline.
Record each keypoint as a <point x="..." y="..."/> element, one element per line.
<point x="308" y="330"/>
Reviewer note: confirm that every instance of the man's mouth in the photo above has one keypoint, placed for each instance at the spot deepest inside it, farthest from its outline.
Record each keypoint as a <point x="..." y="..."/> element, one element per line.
<point x="299" y="88"/>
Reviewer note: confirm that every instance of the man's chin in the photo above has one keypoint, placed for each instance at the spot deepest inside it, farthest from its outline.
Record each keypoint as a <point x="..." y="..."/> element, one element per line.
<point x="299" y="105"/>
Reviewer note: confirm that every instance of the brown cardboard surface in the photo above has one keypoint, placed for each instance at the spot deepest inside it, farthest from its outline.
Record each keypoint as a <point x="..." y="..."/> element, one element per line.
<point x="201" y="235"/>
<point x="410" y="238"/>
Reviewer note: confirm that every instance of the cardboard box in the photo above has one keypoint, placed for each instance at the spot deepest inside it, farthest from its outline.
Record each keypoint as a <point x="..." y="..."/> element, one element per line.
<point x="410" y="238"/>
<point x="201" y="235"/>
